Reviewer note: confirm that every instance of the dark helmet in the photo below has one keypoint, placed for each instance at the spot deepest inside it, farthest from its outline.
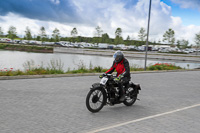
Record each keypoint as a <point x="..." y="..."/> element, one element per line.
<point x="118" y="56"/>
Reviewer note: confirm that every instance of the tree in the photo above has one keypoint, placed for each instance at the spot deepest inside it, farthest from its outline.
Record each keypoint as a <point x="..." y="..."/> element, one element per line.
<point x="118" y="36"/>
<point x="118" y="32"/>
<point x="119" y="40"/>
<point x="197" y="39"/>
<point x="98" y="35"/>
<point x="182" y="43"/>
<point x="98" y="31"/>
<point x="178" y="44"/>
<point x="38" y="38"/>
<point x="74" y="32"/>
<point x="1" y="32"/>
<point x="12" y="33"/>
<point x="142" y="34"/>
<point x="105" y="38"/>
<point x="169" y="36"/>
<point x="159" y="41"/>
<point x="128" y="38"/>
<point x="56" y="35"/>
<point x="28" y="35"/>
<point x="42" y="34"/>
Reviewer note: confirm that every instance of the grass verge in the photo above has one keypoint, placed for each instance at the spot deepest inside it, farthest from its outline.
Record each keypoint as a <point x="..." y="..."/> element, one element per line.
<point x="55" y="67"/>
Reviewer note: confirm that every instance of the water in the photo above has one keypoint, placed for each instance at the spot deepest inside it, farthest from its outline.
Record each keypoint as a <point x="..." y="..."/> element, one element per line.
<point x="16" y="59"/>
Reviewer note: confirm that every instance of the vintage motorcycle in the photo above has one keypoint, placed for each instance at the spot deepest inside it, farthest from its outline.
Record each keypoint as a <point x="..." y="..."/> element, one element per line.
<point x="107" y="93"/>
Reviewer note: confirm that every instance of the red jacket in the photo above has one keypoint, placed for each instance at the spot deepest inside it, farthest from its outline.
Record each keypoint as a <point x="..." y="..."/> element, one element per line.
<point x="122" y="68"/>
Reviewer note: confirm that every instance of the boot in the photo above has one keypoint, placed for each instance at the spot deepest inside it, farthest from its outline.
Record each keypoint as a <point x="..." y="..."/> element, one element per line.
<point x="122" y="98"/>
<point x="122" y="95"/>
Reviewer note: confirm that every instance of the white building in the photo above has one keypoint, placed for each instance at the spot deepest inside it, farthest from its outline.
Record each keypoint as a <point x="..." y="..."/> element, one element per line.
<point x="103" y="45"/>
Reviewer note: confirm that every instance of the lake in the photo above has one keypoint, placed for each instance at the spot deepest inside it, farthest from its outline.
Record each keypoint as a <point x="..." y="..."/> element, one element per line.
<point x="16" y="59"/>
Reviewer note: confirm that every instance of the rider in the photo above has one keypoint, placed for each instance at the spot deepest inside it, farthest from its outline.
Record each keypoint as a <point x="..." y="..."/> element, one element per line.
<point x="121" y="65"/>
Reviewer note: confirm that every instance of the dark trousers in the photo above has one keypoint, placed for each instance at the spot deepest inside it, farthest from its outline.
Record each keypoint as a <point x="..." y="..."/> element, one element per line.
<point x="125" y="82"/>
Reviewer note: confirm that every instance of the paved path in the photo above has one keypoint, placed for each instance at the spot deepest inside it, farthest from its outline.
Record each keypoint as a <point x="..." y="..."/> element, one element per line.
<point x="170" y="103"/>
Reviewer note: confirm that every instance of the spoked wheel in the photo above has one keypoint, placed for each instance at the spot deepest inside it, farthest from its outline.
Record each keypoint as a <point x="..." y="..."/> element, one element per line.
<point x="131" y="97"/>
<point x="95" y="100"/>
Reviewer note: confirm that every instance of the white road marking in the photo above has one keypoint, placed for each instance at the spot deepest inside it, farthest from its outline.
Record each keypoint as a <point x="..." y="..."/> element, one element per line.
<point x="145" y="118"/>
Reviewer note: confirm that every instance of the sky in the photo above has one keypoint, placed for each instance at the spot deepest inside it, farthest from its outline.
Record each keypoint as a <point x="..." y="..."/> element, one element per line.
<point x="182" y="16"/>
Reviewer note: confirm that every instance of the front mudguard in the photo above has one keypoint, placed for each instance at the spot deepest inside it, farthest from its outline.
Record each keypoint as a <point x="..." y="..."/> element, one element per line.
<point x="101" y="87"/>
<point x="96" y="85"/>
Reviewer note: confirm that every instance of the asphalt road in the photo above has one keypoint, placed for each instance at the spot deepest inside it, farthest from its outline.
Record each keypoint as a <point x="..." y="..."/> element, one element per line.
<point x="169" y="103"/>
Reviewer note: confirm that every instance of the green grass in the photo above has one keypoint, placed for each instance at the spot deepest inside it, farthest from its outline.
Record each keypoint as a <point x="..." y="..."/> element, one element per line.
<point x="55" y="67"/>
<point x="36" y="71"/>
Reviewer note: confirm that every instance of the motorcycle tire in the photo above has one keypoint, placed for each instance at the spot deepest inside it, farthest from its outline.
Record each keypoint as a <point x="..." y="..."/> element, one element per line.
<point x="131" y="98"/>
<point x="95" y="100"/>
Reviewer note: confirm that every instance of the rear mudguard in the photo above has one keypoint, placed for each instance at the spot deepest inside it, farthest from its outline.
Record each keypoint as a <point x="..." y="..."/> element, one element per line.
<point x="134" y="87"/>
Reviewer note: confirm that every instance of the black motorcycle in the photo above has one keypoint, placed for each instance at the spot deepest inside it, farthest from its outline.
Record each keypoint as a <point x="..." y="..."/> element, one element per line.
<point x="107" y="93"/>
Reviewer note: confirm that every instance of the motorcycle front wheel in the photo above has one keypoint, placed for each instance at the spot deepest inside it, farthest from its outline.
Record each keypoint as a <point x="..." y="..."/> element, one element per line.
<point x="95" y="100"/>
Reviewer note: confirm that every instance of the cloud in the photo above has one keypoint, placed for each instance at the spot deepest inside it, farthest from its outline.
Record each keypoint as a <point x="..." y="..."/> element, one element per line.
<point x="48" y="10"/>
<point x="184" y="32"/>
<point x="21" y="23"/>
<point x="56" y="1"/>
<point x="188" y="3"/>
<point x="85" y="15"/>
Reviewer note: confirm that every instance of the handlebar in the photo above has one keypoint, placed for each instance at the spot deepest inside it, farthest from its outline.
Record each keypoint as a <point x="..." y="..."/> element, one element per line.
<point x="107" y="75"/>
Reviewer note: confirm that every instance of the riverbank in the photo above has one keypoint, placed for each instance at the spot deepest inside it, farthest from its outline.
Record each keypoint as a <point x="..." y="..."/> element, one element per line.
<point x="27" y="48"/>
<point x="130" y="54"/>
<point x="102" y="52"/>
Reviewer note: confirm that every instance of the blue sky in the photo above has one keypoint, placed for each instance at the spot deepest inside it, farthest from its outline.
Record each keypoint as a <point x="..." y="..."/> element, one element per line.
<point x="47" y="10"/>
<point x="189" y="15"/>
<point x="181" y="15"/>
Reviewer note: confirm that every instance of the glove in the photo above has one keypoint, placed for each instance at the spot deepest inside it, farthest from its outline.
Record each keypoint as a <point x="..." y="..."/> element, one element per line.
<point x="119" y="78"/>
<point x="101" y="76"/>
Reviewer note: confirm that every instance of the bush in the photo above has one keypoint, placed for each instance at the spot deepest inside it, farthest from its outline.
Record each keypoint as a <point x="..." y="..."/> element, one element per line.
<point x="163" y="66"/>
<point x="55" y="67"/>
<point x="3" y="46"/>
<point x="98" y="69"/>
<point x="136" y="68"/>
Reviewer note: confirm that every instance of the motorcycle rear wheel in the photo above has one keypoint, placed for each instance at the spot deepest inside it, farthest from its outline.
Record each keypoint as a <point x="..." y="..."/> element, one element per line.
<point x="131" y="97"/>
<point x="95" y="100"/>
